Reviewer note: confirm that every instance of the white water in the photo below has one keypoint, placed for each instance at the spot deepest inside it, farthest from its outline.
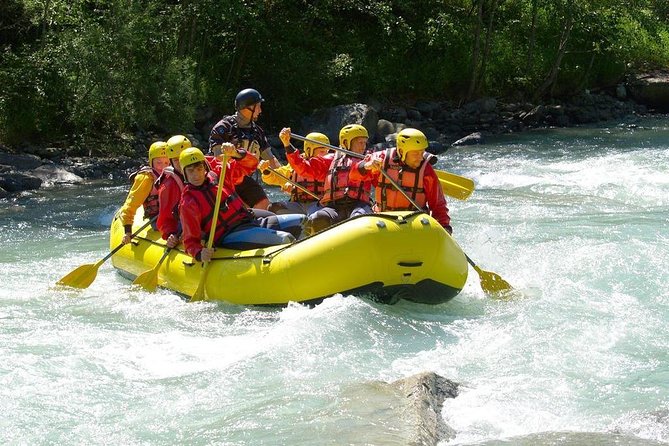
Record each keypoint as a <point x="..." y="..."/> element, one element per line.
<point x="575" y="219"/>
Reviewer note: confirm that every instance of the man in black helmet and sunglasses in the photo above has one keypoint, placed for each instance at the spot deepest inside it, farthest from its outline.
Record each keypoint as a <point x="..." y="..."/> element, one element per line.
<point x="241" y="130"/>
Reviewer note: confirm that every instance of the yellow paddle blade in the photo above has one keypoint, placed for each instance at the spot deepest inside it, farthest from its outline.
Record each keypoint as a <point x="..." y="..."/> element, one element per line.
<point x="147" y="280"/>
<point x="81" y="277"/>
<point x="492" y="282"/>
<point x="455" y="190"/>
<point x="199" y="293"/>
<point x="455" y="186"/>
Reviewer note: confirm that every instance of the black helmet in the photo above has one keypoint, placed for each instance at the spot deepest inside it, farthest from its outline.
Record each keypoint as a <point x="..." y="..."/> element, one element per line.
<point x="247" y="98"/>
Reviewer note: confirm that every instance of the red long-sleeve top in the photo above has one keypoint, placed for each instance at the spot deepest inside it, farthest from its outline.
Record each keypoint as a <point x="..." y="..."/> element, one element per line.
<point x="169" y="192"/>
<point x="316" y="167"/>
<point x="192" y="210"/>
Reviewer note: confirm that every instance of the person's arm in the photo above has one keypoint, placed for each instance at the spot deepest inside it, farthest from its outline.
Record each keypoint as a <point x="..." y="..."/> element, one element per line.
<point x="316" y="167"/>
<point x="139" y="191"/>
<point x="368" y="168"/>
<point x="238" y="168"/>
<point x="273" y="179"/>
<point x="436" y="200"/>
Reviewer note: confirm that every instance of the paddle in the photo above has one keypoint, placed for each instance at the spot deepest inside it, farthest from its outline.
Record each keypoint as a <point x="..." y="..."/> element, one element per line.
<point x="84" y="275"/>
<point x="199" y="292"/>
<point x="149" y="278"/>
<point x="490" y="282"/>
<point x="299" y="186"/>
<point x="453" y="185"/>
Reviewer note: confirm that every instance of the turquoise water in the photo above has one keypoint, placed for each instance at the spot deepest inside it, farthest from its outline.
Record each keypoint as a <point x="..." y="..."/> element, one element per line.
<point x="575" y="219"/>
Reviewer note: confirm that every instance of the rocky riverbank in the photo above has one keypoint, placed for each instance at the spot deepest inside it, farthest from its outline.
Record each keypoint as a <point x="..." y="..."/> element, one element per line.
<point x="446" y="124"/>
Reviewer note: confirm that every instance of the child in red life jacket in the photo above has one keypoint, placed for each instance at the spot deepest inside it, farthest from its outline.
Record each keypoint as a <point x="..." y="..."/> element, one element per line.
<point x="236" y="227"/>
<point x="143" y="191"/>
<point x="170" y="185"/>
<point x="410" y="167"/>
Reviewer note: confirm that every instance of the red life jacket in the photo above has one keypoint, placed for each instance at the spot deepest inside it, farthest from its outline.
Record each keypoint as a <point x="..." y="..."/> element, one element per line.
<point x="232" y="211"/>
<point x="170" y="172"/>
<point x="310" y="184"/>
<point x="338" y="185"/>
<point x="388" y="198"/>
<point x="150" y="205"/>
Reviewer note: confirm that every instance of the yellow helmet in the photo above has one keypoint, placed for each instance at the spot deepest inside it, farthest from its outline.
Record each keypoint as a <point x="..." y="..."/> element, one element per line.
<point x="157" y="150"/>
<point x="349" y="132"/>
<point x="410" y="140"/>
<point x="175" y="145"/>
<point x="191" y="155"/>
<point x="310" y="146"/>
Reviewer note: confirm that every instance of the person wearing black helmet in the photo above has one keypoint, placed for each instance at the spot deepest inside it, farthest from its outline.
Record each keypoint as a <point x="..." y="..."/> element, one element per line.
<point x="242" y="130"/>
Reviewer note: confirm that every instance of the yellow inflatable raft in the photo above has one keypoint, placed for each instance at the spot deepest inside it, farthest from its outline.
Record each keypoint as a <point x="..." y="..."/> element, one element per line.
<point x="388" y="256"/>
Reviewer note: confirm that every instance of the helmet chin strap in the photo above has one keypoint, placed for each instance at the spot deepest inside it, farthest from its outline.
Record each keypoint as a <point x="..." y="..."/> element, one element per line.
<point x="242" y="120"/>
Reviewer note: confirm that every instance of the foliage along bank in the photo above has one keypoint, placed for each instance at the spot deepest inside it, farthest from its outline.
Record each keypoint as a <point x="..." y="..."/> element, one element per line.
<point x="77" y="69"/>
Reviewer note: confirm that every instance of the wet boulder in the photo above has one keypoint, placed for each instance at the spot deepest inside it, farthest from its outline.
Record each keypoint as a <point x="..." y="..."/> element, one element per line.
<point x="651" y="89"/>
<point x="330" y="120"/>
<point x="17" y="182"/>
<point x="469" y="140"/>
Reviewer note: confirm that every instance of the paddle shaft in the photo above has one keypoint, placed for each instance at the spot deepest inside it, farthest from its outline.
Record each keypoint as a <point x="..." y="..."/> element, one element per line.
<point x="471" y="262"/>
<point x="121" y="245"/>
<point x="199" y="292"/>
<point x="162" y="259"/>
<point x="217" y="205"/>
<point x="299" y="186"/>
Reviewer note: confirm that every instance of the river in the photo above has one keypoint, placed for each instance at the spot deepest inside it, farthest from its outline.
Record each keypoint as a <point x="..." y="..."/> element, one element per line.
<point x="575" y="219"/>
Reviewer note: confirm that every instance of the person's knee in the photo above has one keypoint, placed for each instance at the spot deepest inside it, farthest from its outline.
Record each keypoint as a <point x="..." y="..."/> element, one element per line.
<point x="287" y="237"/>
<point x="316" y="223"/>
<point x="262" y="204"/>
<point x="277" y="208"/>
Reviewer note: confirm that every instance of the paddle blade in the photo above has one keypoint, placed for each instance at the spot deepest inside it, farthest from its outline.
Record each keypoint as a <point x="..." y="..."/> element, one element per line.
<point x="147" y="280"/>
<point x="455" y="190"/>
<point x="81" y="277"/>
<point x="455" y="186"/>
<point x="199" y="293"/>
<point x="492" y="282"/>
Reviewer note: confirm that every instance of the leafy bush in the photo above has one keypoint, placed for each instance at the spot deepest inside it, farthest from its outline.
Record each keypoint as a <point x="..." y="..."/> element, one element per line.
<point x="106" y="67"/>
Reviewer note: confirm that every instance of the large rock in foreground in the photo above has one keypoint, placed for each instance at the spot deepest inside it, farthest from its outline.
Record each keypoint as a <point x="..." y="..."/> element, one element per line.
<point x="403" y="412"/>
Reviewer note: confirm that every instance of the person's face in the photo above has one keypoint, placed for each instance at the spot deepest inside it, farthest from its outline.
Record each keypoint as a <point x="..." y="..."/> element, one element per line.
<point x="252" y="113"/>
<point x="160" y="163"/>
<point x="319" y="151"/>
<point x="257" y="110"/>
<point x="176" y="165"/>
<point x="358" y="144"/>
<point x="414" y="158"/>
<point x="195" y="174"/>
